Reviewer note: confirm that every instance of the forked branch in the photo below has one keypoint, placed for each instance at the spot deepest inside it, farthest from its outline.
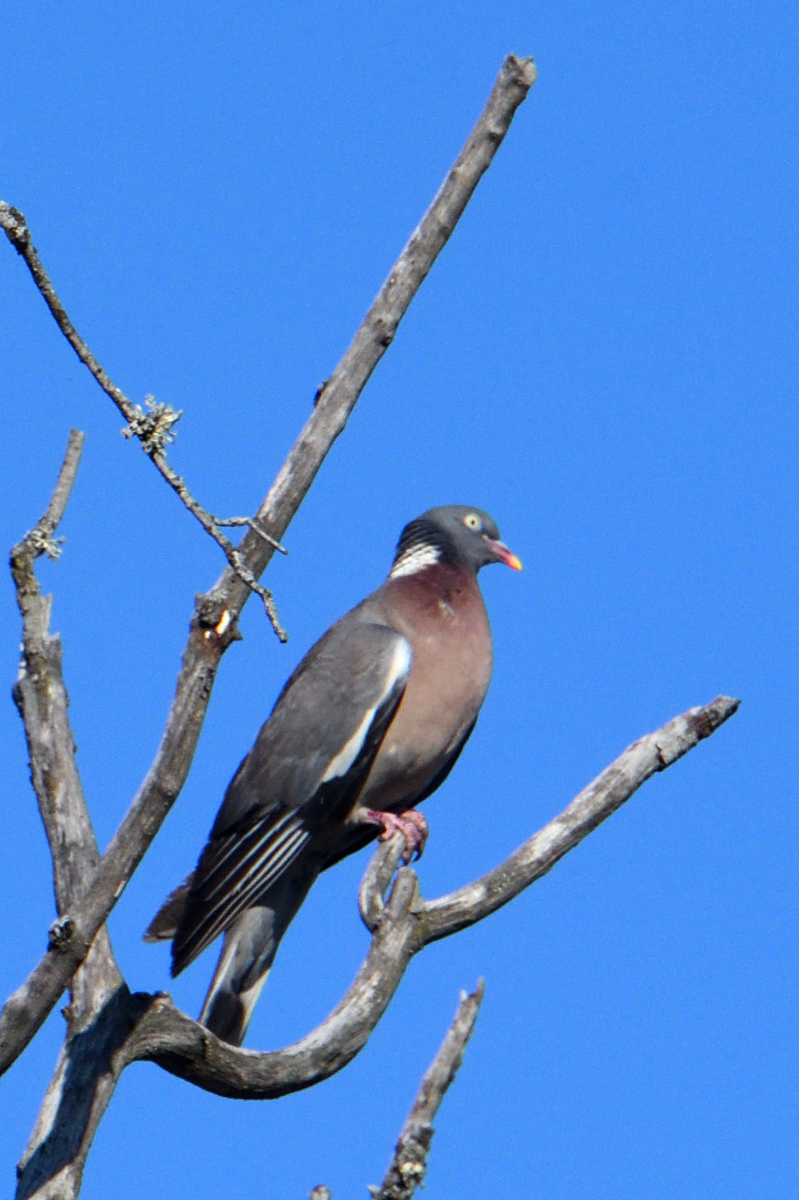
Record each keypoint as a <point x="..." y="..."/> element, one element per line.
<point x="408" y="1165"/>
<point x="138" y="1027"/>
<point x="153" y="426"/>
<point x="401" y="928"/>
<point x="214" y="625"/>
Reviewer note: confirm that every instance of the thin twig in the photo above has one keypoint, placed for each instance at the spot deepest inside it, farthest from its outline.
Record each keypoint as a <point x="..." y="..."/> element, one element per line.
<point x="40" y="539"/>
<point x="232" y="553"/>
<point x="154" y="429"/>
<point x="252" y="524"/>
<point x="409" y="1164"/>
<point x="213" y="627"/>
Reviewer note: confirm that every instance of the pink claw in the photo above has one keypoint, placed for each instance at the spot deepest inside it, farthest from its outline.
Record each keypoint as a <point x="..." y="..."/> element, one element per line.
<point x="411" y="824"/>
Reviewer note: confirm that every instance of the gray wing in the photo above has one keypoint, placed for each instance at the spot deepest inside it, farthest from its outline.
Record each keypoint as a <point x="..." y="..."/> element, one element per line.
<point x="306" y="769"/>
<point x="358" y="837"/>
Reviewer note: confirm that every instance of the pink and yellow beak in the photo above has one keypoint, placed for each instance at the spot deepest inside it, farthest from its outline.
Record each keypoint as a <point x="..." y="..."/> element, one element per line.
<point x="505" y="555"/>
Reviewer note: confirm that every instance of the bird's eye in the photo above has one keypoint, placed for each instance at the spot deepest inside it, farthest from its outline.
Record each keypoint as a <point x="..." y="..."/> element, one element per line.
<point x="472" y="521"/>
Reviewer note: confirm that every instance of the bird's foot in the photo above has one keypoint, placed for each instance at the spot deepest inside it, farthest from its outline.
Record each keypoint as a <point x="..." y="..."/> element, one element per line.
<point x="411" y="824"/>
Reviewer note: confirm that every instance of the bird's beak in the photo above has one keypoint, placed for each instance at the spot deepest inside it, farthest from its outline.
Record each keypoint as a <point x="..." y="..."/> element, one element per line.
<point x="503" y="554"/>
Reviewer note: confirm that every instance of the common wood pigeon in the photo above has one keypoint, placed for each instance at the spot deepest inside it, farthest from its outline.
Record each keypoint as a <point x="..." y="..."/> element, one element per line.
<point x="369" y="724"/>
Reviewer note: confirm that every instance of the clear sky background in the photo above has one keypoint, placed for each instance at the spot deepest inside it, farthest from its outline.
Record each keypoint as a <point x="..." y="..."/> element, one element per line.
<point x="604" y="357"/>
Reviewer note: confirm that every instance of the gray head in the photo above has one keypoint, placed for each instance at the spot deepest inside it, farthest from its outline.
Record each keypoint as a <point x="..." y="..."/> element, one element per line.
<point x="453" y="533"/>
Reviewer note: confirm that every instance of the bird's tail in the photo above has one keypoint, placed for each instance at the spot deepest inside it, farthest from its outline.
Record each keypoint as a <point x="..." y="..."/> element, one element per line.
<point x="248" y="951"/>
<point x="166" y="921"/>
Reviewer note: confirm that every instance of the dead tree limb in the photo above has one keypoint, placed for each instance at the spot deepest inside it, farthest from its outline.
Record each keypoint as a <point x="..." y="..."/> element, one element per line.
<point x="76" y="1099"/>
<point x="213" y="625"/>
<point x="617" y="783"/>
<point x="183" y="1047"/>
<point x="403" y="927"/>
<point x="142" y="1027"/>
<point x="108" y="1028"/>
<point x="79" y="1090"/>
<point x="153" y="427"/>
<point x="409" y="1165"/>
<point x="337" y="397"/>
<point x="41" y="698"/>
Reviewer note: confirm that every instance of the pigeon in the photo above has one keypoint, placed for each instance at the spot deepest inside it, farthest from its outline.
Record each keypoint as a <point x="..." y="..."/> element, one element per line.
<point x="369" y="724"/>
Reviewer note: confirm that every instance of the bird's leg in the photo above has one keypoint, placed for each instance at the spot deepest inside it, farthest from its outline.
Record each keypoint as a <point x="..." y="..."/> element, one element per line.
<point x="411" y="824"/>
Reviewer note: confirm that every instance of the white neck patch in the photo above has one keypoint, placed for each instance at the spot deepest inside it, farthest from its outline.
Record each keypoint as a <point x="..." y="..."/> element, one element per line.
<point x="416" y="558"/>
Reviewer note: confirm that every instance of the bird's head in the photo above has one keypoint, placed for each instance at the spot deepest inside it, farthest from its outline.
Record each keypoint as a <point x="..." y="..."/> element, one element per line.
<point x="452" y="533"/>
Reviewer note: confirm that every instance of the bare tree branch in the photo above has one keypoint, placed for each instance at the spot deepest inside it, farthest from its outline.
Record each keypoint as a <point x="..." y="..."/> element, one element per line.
<point x="41" y="697"/>
<point x="338" y="395"/>
<point x="142" y="1027"/>
<point x="78" y="1093"/>
<point x="611" y="789"/>
<point x="153" y="428"/>
<point x="401" y="928"/>
<point x="214" y="625"/>
<point x="409" y="1164"/>
<point x="377" y="879"/>
<point x="128" y="1027"/>
<point x="181" y="1046"/>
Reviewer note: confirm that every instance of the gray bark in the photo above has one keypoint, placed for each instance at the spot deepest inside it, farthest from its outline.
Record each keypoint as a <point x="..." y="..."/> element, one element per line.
<point x="107" y="1026"/>
<point x="403" y="927"/>
<point x="213" y="627"/>
<point x="409" y="1165"/>
<point x="78" y="1092"/>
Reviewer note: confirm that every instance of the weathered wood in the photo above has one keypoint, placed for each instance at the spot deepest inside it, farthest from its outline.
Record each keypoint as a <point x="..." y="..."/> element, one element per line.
<point x="213" y="627"/>
<point x="42" y="701"/>
<point x="79" y="1090"/>
<point x="402" y="928"/>
<point x="83" y="1083"/>
<point x="607" y="793"/>
<point x="408" y="1167"/>
<point x="167" y="1036"/>
<point x="107" y="1026"/>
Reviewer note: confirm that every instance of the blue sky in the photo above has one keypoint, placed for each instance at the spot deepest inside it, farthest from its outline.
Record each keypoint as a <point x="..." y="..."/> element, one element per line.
<point x="604" y="357"/>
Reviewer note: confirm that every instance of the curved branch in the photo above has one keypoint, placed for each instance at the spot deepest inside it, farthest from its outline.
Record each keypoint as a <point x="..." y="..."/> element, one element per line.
<point x="401" y="928"/>
<point x="142" y="1027"/>
<point x="213" y="627"/>
<point x="179" y="1045"/>
<point x="376" y="880"/>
